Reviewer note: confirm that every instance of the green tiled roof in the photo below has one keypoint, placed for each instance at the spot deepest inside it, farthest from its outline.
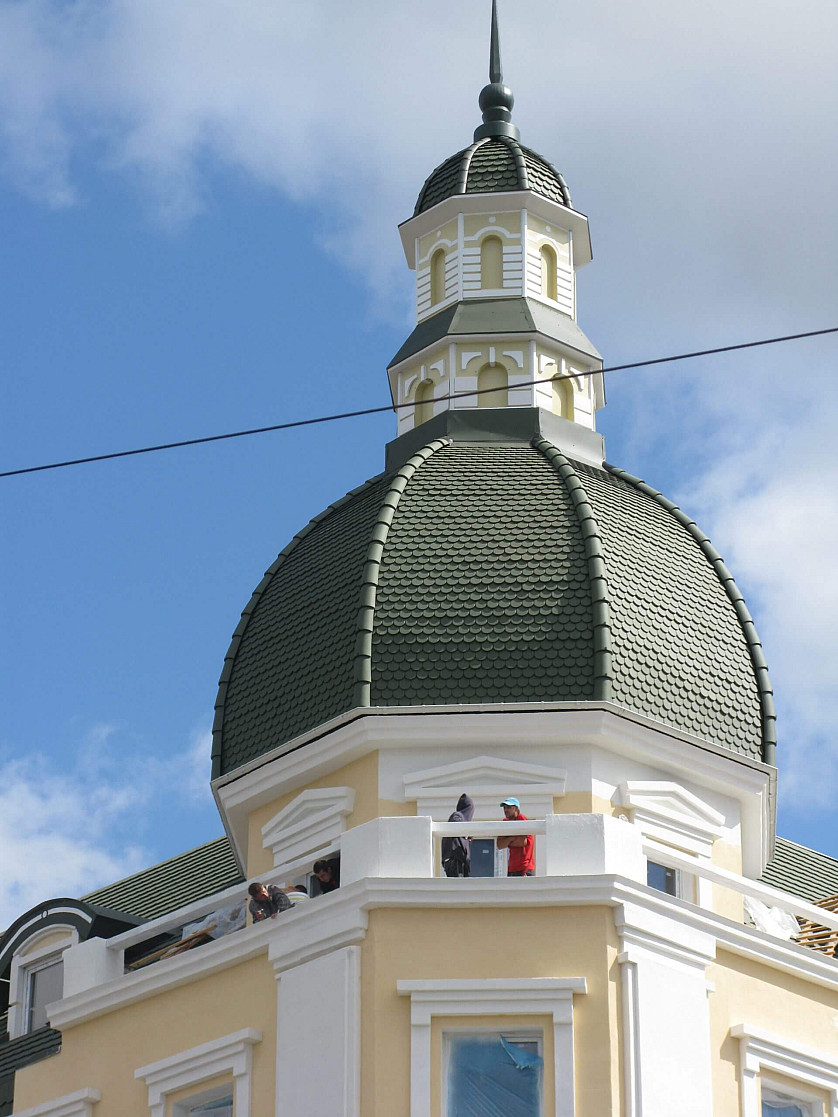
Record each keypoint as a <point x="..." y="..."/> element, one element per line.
<point x="180" y="880"/>
<point x="493" y="165"/>
<point x="801" y="871"/>
<point x="492" y="571"/>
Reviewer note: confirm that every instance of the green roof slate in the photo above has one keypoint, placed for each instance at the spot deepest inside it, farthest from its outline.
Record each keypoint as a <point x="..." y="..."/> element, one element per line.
<point x="28" y="1049"/>
<point x="493" y="165"/>
<point x="180" y="880"/>
<point x="492" y="571"/>
<point x="803" y="872"/>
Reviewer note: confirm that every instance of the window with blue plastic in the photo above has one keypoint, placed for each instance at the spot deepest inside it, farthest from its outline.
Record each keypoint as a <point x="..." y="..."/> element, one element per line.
<point x="493" y="1075"/>
<point x="215" y="1107"/>
<point x="662" y="878"/>
<point x="784" y="1108"/>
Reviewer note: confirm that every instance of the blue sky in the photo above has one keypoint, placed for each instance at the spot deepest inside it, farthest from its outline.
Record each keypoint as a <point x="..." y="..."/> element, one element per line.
<point x="198" y="229"/>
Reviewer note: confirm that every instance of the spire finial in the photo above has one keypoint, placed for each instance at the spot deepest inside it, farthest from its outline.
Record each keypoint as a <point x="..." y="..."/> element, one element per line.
<point x="496" y="99"/>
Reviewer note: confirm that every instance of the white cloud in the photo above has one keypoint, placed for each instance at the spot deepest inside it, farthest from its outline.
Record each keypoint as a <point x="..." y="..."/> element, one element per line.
<point x="66" y="832"/>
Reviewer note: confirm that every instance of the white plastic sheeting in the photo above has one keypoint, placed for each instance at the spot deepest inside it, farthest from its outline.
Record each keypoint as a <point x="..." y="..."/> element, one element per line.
<point x="219" y="923"/>
<point x="774" y="921"/>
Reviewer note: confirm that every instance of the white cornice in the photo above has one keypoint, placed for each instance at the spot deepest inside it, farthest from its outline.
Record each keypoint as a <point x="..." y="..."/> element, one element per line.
<point x="604" y="725"/>
<point x="340" y="919"/>
<point x="512" y="201"/>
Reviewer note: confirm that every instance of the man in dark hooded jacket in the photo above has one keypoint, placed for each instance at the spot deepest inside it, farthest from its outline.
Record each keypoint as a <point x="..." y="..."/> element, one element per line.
<point x="456" y="852"/>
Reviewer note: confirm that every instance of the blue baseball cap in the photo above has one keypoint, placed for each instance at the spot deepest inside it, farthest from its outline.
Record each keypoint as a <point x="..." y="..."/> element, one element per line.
<point x="511" y="802"/>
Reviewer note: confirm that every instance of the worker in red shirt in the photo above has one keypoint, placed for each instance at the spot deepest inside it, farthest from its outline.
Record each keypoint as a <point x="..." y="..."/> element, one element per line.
<point x="521" y="846"/>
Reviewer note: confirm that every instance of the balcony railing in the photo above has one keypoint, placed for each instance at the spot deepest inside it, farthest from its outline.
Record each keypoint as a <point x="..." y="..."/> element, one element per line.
<point x="406" y="847"/>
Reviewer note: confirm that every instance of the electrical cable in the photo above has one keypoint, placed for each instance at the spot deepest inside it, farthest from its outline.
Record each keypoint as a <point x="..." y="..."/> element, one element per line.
<point x="398" y="406"/>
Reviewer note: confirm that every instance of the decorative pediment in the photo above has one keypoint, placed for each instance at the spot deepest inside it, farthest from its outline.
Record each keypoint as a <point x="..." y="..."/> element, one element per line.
<point x="487" y="779"/>
<point x="671" y="814"/>
<point x="309" y="824"/>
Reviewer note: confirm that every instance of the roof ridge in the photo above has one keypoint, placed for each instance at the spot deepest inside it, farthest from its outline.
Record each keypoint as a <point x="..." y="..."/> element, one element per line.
<point x="247" y="612"/>
<point x="372" y="565"/>
<point x="764" y="690"/>
<point x="597" y="571"/>
<point x="467" y="154"/>
<point x="520" y="163"/>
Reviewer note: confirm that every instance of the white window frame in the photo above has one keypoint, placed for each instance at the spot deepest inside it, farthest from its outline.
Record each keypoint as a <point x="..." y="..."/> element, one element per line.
<point x="762" y="1053"/>
<point x="231" y="1054"/>
<point x="78" y="1104"/>
<point x="23" y="965"/>
<point x="498" y="996"/>
<point x="514" y="1035"/>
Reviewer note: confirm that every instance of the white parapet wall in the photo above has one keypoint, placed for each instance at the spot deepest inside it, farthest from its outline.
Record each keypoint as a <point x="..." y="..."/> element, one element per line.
<point x="388" y="847"/>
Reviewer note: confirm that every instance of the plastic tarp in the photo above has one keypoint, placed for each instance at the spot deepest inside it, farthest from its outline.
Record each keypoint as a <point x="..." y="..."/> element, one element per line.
<point x="781" y="1109"/>
<point x="493" y="1077"/>
<point x="222" y="922"/>
<point x="774" y="921"/>
<point x="223" y="1107"/>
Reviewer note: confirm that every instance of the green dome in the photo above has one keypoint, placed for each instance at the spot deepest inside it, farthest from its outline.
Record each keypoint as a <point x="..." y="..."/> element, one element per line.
<point x="486" y="572"/>
<point x="493" y="165"/>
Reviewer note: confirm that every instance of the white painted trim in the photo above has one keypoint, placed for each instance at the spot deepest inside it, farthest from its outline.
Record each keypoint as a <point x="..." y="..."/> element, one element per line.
<point x="312" y="821"/>
<point x="78" y="1104"/>
<point x="604" y="725"/>
<point x="340" y="919"/>
<point x="229" y="1054"/>
<point x="668" y="812"/>
<point x="761" y="1051"/>
<point x="489" y="779"/>
<point x="24" y="964"/>
<point x="512" y="202"/>
<point x="491" y="997"/>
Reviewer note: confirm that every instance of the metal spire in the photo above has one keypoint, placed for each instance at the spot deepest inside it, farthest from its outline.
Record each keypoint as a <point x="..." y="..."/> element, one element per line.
<point x="496" y="99"/>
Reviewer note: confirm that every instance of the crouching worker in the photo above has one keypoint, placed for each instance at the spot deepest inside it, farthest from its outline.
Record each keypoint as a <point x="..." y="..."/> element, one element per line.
<point x="456" y="852"/>
<point x="266" y="902"/>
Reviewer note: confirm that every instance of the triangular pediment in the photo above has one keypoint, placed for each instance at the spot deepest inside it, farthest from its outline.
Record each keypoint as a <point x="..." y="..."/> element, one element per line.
<point x="310" y="822"/>
<point x="668" y="811"/>
<point x="487" y="779"/>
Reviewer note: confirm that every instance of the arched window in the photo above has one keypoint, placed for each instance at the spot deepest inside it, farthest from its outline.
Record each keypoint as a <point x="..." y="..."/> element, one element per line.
<point x="438" y="276"/>
<point x="423" y="402"/>
<point x="491" y="263"/>
<point x="492" y="383"/>
<point x="549" y="267"/>
<point x="563" y="397"/>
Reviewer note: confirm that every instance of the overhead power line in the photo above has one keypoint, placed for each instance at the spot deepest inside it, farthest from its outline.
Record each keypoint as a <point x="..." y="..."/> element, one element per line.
<point x="398" y="406"/>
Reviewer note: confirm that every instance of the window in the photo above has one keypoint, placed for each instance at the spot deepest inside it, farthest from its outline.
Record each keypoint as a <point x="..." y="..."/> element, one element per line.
<point x="44" y="984"/>
<point x="549" y="268"/>
<point x="492" y="381"/>
<point x="486" y="859"/>
<point x="493" y="1074"/>
<point x="213" y="1103"/>
<point x="438" y="276"/>
<point x="424" y="402"/>
<point x="775" y="1104"/>
<point x="491" y="263"/>
<point x="663" y="878"/>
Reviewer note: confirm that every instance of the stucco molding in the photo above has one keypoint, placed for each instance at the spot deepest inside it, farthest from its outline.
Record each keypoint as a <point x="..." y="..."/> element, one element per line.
<point x="489" y="779"/>
<point x="491" y="997"/>
<point x="78" y="1104"/>
<point x="312" y="821"/>
<point x="230" y="1054"/>
<point x="761" y="1053"/>
<point x="603" y="725"/>
<point x="671" y="814"/>
<point x="23" y="965"/>
<point x="340" y="919"/>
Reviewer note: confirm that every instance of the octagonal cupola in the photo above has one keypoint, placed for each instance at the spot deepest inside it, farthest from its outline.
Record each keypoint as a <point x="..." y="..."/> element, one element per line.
<point x="495" y="244"/>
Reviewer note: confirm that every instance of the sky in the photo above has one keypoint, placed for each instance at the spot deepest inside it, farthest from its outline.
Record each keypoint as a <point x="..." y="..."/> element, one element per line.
<point x="199" y="203"/>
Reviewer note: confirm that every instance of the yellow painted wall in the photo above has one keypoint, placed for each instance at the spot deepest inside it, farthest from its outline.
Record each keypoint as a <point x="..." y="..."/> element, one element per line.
<point x="477" y="223"/>
<point x="725" y="901"/>
<point x="559" y="238"/>
<point x="493" y="942"/>
<point x="39" y="943"/>
<point x="362" y="775"/>
<point x="747" y="992"/>
<point x="105" y="1052"/>
<point x="427" y="244"/>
